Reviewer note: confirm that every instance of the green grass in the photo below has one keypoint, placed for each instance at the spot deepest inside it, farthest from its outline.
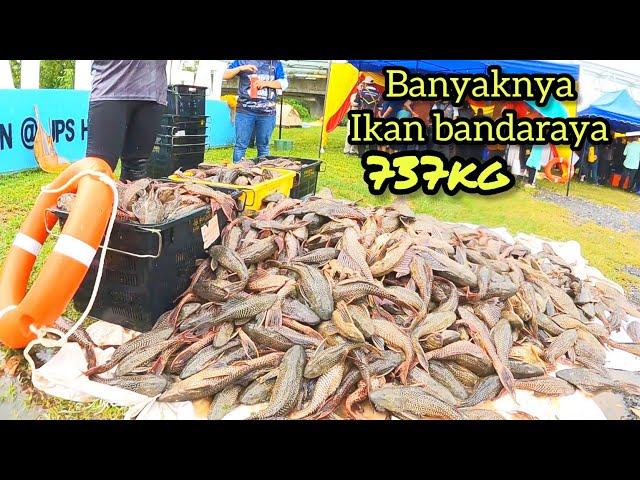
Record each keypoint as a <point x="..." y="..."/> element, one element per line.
<point x="518" y="210"/>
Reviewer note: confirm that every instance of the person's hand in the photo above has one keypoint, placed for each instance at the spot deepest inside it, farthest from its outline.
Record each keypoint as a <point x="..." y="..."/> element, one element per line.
<point x="260" y="84"/>
<point x="249" y="68"/>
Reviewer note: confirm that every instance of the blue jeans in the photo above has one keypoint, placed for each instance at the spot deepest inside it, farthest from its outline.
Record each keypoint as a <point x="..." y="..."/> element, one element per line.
<point x="246" y="122"/>
<point x="591" y="171"/>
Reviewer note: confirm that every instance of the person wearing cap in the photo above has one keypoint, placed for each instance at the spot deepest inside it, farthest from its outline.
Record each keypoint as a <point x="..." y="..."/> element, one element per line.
<point x="366" y="97"/>
<point x="256" y="112"/>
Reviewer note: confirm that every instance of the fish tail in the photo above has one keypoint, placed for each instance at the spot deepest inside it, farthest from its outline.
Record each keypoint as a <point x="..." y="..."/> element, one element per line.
<point x="506" y="378"/>
<point x="100" y="369"/>
<point x="90" y="355"/>
<point x="422" y="359"/>
<point x="273" y="316"/>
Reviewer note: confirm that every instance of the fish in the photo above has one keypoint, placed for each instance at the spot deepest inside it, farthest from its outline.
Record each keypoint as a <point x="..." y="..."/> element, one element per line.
<point x="487" y="388"/>
<point x="141" y="341"/>
<point x="314" y="287"/>
<point x="524" y="370"/>
<point x="326" y="386"/>
<point x="502" y="339"/>
<point x="209" y="382"/>
<point x="481" y="335"/>
<point x="481" y="414"/>
<point x="593" y="382"/>
<point x="210" y="354"/>
<point x="395" y="337"/>
<point x="221" y="255"/>
<point x="420" y="378"/>
<point x="257" y="392"/>
<point x="414" y="401"/>
<point x="633" y="330"/>
<point x="258" y="251"/>
<point x="561" y="345"/>
<point x="444" y="376"/>
<point x="81" y="337"/>
<point x="148" y="385"/>
<point x="224" y="402"/>
<point x="546" y="385"/>
<point x="288" y="383"/>
<point x="325" y="359"/>
<point x="242" y="310"/>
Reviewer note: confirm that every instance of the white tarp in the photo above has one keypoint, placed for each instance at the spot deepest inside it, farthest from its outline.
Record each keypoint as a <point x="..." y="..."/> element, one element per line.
<point x="62" y="375"/>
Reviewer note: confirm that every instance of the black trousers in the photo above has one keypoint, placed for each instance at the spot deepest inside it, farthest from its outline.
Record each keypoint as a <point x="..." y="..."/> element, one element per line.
<point x="126" y="130"/>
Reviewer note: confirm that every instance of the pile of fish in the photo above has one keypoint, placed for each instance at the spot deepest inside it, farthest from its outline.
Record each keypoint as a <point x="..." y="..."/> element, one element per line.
<point x="242" y="173"/>
<point x="148" y="201"/>
<point x="323" y="308"/>
<point x="285" y="163"/>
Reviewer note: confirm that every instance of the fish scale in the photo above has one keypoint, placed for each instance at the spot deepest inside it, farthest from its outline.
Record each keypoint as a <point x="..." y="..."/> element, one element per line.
<point x="413" y="400"/>
<point x="288" y="383"/>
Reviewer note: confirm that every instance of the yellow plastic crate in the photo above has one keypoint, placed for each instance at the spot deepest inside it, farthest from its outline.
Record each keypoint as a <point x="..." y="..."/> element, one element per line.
<point x="252" y="195"/>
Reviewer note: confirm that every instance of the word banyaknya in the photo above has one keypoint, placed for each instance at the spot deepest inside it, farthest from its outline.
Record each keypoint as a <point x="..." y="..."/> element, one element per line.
<point x="508" y="129"/>
<point x="402" y="84"/>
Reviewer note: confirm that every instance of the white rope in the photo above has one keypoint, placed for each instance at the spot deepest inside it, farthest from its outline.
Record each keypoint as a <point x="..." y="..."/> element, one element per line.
<point x="41" y="332"/>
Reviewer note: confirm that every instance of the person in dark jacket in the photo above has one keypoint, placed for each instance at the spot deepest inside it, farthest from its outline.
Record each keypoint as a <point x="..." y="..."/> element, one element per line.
<point x="128" y="98"/>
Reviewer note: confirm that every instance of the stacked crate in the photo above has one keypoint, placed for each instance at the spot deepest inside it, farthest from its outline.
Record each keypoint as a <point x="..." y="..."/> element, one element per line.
<point x="182" y="137"/>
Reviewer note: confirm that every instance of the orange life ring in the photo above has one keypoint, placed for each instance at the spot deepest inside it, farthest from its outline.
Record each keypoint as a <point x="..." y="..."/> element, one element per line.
<point x="67" y="265"/>
<point x="563" y="166"/>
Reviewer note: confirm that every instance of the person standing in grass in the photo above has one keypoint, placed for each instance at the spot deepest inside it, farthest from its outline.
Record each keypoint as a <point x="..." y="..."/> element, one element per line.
<point x="631" y="161"/>
<point x="589" y="168"/>
<point x="258" y="111"/>
<point x="128" y="99"/>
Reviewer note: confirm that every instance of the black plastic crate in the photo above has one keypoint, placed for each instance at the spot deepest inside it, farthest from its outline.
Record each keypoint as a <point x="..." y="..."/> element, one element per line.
<point x="183" y="129"/>
<point x="306" y="180"/>
<point x="166" y="159"/>
<point x="171" y="124"/>
<point x="174" y="140"/>
<point x="186" y="100"/>
<point x="134" y="291"/>
<point x="188" y="89"/>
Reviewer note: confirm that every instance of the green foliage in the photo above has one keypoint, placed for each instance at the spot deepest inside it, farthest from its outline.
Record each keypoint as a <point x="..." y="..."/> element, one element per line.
<point x="15" y="72"/>
<point x="299" y="107"/>
<point x="56" y="73"/>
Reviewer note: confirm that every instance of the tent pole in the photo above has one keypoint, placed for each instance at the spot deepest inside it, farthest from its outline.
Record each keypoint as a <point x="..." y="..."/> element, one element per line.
<point x="281" y="105"/>
<point x="580" y="160"/>
<point x="324" y="109"/>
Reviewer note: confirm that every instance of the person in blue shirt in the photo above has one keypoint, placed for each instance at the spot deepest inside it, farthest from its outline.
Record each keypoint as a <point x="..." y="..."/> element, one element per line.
<point x="631" y="163"/>
<point x="257" y="113"/>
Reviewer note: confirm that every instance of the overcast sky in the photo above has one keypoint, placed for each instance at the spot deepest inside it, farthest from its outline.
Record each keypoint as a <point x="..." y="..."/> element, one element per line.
<point x="629" y="66"/>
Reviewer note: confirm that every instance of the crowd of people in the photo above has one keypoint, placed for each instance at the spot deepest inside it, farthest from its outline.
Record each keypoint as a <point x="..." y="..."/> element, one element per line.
<point x="613" y="164"/>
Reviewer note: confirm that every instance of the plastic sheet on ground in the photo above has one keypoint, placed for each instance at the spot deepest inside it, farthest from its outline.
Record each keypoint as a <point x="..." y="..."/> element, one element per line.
<point x="62" y="376"/>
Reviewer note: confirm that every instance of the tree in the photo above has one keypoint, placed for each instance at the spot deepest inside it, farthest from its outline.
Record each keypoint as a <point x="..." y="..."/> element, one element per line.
<point x="53" y="73"/>
<point x="15" y="72"/>
<point x="56" y="73"/>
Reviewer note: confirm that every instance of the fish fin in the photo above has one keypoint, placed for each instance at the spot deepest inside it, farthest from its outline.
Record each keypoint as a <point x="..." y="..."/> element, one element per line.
<point x="158" y="366"/>
<point x="273" y="316"/>
<point x="422" y="359"/>
<point x="378" y="342"/>
<point x="246" y="342"/>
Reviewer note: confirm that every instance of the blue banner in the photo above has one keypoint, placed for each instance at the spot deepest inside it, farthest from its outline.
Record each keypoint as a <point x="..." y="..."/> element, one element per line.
<point x="63" y="114"/>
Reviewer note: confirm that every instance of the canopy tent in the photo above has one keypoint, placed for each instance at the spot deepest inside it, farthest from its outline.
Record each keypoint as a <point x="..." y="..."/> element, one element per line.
<point x="619" y="108"/>
<point x="469" y="66"/>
